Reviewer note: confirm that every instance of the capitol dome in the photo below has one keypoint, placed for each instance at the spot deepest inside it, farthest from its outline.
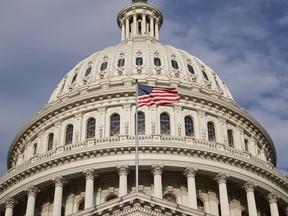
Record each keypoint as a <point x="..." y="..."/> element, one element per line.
<point x="203" y="155"/>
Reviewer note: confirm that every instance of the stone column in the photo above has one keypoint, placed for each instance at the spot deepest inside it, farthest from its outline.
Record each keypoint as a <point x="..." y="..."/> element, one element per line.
<point x="9" y="206"/>
<point x="32" y="191"/>
<point x="201" y="130"/>
<point x="143" y="24"/>
<point x="89" y="188"/>
<point x="249" y="188"/>
<point x="221" y="130"/>
<point x="127" y="26"/>
<point x="221" y="178"/>
<point x="190" y="173"/>
<point x="157" y="171"/>
<point x="157" y="29"/>
<point x="272" y="199"/>
<point x="123" y="171"/>
<point x="239" y="138"/>
<point x="59" y="182"/>
<point x="151" y="26"/>
<point x="134" y="29"/>
<point x="123" y="30"/>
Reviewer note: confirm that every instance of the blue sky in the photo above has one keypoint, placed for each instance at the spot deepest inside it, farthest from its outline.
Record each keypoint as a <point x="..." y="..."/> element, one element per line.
<point x="245" y="42"/>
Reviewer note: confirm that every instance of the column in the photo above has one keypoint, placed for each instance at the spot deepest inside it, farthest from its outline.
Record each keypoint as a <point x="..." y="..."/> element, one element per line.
<point x="89" y="188"/>
<point x="272" y="199"/>
<point x="143" y="23"/>
<point x="221" y="178"/>
<point x="9" y="206"/>
<point x="59" y="182"/>
<point x="157" y="29"/>
<point x="202" y="126"/>
<point x="157" y="171"/>
<point x="222" y="130"/>
<point x="123" y="171"/>
<point x="190" y="174"/>
<point x="32" y="191"/>
<point x="123" y="30"/>
<point x="58" y="134"/>
<point x="127" y="26"/>
<point x="134" y="29"/>
<point x="249" y="188"/>
<point x="151" y="26"/>
<point x="252" y="146"/>
<point x="239" y="138"/>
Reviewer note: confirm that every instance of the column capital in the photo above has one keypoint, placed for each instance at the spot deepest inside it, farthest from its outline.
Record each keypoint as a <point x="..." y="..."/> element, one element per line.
<point x="157" y="169"/>
<point x="190" y="172"/>
<point x="32" y="191"/>
<point x="221" y="178"/>
<point x="123" y="169"/>
<point x="249" y="186"/>
<point x="272" y="197"/>
<point x="10" y="202"/>
<point x="59" y="181"/>
<point x="90" y="174"/>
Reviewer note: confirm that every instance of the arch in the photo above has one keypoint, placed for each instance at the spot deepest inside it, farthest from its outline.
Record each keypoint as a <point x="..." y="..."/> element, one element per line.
<point x="81" y="205"/>
<point x="189" y="127"/>
<point x="69" y="134"/>
<point x="90" y="128"/>
<point x="165" y="123"/>
<point x="170" y="197"/>
<point x="230" y="138"/>
<point x="211" y="131"/>
<point x="141" y="122"/>
<point x="200" y="205"/>
<point x="114" y="124"/>
<point x="111" y="197"/>
<point x="50" y="142"/>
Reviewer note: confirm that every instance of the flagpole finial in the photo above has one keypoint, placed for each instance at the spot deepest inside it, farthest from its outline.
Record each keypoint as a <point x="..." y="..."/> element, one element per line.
<point x="134" y="1"/>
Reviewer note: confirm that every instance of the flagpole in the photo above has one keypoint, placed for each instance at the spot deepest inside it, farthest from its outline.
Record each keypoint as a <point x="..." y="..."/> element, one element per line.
<point x="136" y="142"/>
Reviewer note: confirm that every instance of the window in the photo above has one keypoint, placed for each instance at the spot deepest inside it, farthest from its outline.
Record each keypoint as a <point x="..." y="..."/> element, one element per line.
<point x="63" y="85"/>
<point x="230" y="138"/>
<point x="114" y="124"/>
<point x="211" y="131"/>
<point x="174" y="64"/>
<point x="205" y="75"/>
<point x="246" y="145"/>
<point x="88" y="71"/>
<point x="200" y="205"/>
<point x="139" y="61"/>
<point x="50" y="141"/>
<point x="157" y="62"/>
<point x="90" y="130"/>
<point x="111" y="197"/>
<point x="35" y="149"/>
<point x="104" y="66"/>
<point x="169" y="197"/>
<point x="190" y="69"/>
<point x="74" y="78"/>
<point x="81" y="205"/>
<point x="141" y="123"/>
<point x="164" y="123"/>
<point x="121" y="62"/>
<point x="189" y="130"/>
<point x="69" y="134"/>
<point x="216" y="82"/>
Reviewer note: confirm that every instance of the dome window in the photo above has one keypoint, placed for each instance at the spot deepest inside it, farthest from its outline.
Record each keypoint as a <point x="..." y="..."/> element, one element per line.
<point x="165" y="124"/>
<point x="104" y="66"/>
<point x="121" y="62"/>
<point x="230" y="138"/>
<point x="69" y="135"/>
<point x="74" y="78"/>
<point x="35" y="149"/>
<point x="139" y="61"/>
<point x="141" y="123"/>
<point x="189" y="129"/>
<point x="88" y="71"/>
<point x="115" y="124"/>
<point x="205" y="75"/>
<point x="81" y="205"/>
<point x="50" y="141"/>
<point x="190" y="69"/>
<point x="157" y="62"/>
<point x="63" y="85"/>
<point x="211" y="131"/>
<point x="216" y="82"/>
<point x="174" y="64"/>
<point x="90" y="129"/>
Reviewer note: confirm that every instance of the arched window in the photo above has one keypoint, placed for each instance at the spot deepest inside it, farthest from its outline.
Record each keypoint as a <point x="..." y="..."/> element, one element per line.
<point x="170" y="197"/>
<point x="74" y="78"/>
<point x="157" y="62"/>
<point x="50" y="141"/>
<point x="174" y="64"/>
<point x="139" y="61"/>
<point x="114" y="124"/>
<point x="90" y="129"/>
<point x="189" y="129"/>
<point x="69" y="134"/>
<point x="211" y="131"/>
<point x="63" y="85"/>
<point x="205" y="75"/>
<point x="246" y="145"/>
<point x="35" y="149"/>
<point x="121" y="62"/>
<point x="190" y="69"/>
<point x="88" y="71"/>
<point x="200" y="205"/>
<point x="141" y="123"/>
<point x="164" y="123"/>
<point x="111" y="197"/>
<point x="81" y="205"/>
<point x="103" y="66"/>
<point x="230" y="138"/>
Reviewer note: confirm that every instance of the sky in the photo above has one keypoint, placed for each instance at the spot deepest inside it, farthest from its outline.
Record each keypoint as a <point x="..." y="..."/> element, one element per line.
<point x="244" y="42"/>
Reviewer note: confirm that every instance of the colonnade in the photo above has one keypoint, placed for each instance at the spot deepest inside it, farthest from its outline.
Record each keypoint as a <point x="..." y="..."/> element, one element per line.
<point x="157" y="171"/>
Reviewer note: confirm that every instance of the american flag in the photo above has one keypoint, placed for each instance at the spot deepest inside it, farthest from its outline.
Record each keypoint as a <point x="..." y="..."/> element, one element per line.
<point x="150" y="95"/>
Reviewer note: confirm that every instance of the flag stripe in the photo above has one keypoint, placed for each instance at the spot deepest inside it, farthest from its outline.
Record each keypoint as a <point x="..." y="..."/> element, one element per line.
<point x="148" y="96"/>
